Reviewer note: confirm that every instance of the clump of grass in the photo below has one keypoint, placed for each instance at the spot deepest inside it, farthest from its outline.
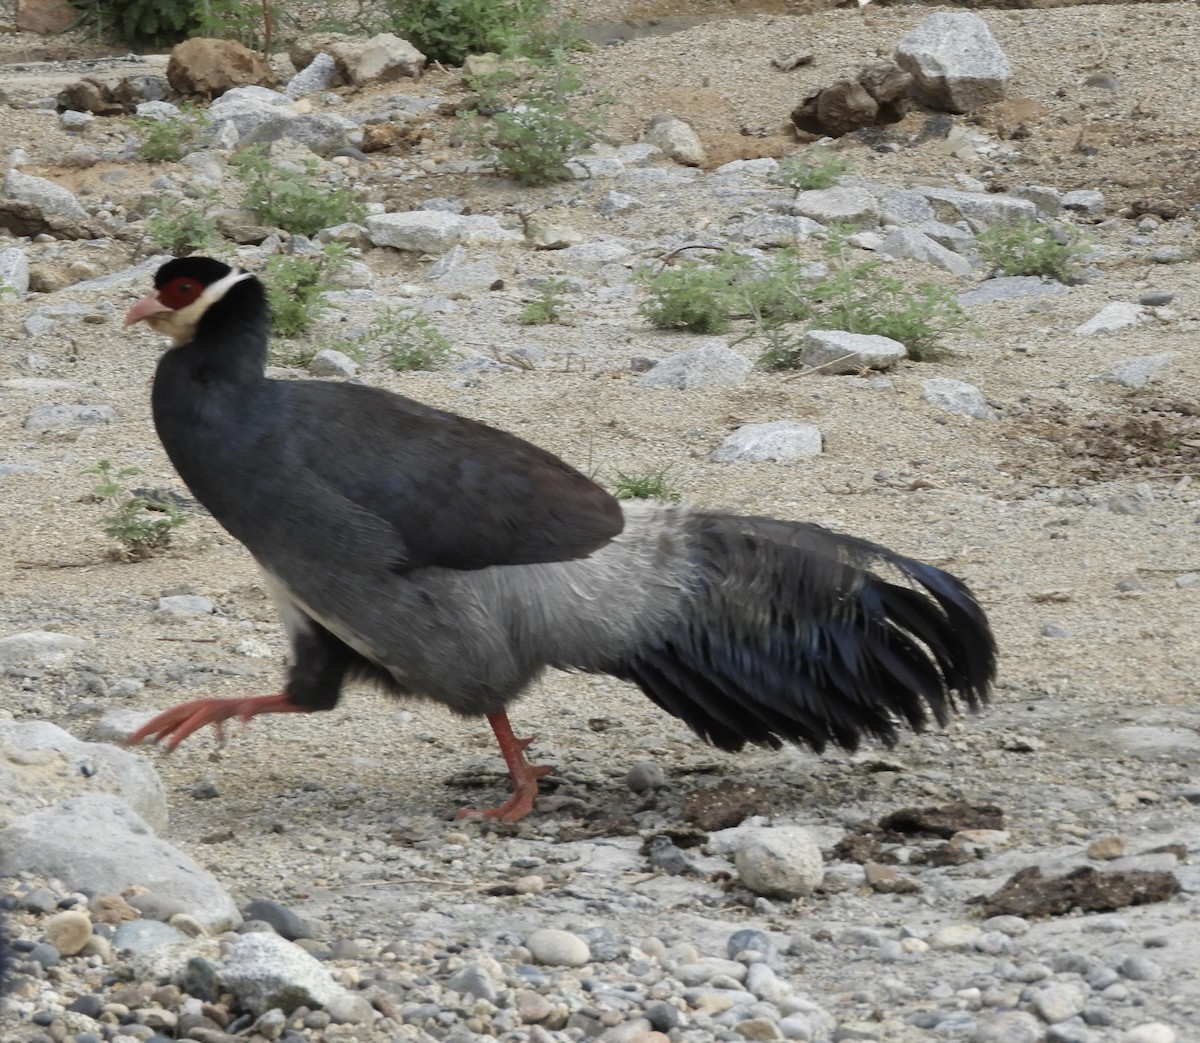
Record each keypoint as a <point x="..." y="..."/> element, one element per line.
<point x="705" y="297"/>
<point x="294" y="287"/>
<point x="1030" y="248"/>
<point x="815" y="167"/>
<point x="143" y="527"/>
<point x="183" y="226"/>
<point x="532" y="134"/>
<point x="547" y="307"/>
<point x="292" y="199"/>
<point x="447" y="31"/>
<point x="410" y="340"/>
<point x="644" y="485"/>
<point x="169" y="140"/>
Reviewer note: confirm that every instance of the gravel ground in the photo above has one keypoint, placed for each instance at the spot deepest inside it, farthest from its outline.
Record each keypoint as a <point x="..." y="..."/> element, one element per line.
<point x="1072" y="512"/>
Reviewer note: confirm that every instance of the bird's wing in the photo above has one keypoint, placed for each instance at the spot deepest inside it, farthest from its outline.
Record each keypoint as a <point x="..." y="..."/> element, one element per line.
<point x="451" y="492"/>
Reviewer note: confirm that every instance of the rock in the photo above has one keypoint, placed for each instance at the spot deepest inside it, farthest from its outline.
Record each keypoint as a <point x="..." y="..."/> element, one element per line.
<point x="1086" y="201"/>
<point x="1010" y="288"/>
<point x="434" y="231"/>
<point x="321" y="74"/>
<point x="265" y="971"/>
<point x="27" y="653"/>
<point x="1107" y="847"/>
<point x="645" y="775"/>
<point x="954" y="61"/>
<point x="329" y="362"/>
<point x="68" y="931"/>
<point x="955" y="396"/>
<point x="876" y="98"/>
<point x="474" y="981"/>
<point x="555" y="948"/>
<point x="780" y="862"/>
<point x="381" y="59"/>
<point x="43" y="195"/>
<point x="676" y="139"/>
<point x="185" y="605"/>
<point x="96" y="842"/>
<point x="251" y="110"/>
<point x="1118" y="315"/>
<point x="140" y="936"/>
<point x="779" y="441"/>
<point x="14" y="270"/>
<point x="710" y="365"/>
<point x="836" y="351"/>
<point x="1058" y="1002"/>
<point x="1029" y="894"/>
<point x="1150" y="1032"/>
<point x="67" y="421"/>
<point x="980" y="210"/>
<point x="45" y="17"/>
<point x="209" y="67"/>
<point x="911" y="244"/>
<point x="321" y="133"/>
<point x="42" y="764"/>
<point x="1010" y="1026"/>
<point x="831" y="205"/>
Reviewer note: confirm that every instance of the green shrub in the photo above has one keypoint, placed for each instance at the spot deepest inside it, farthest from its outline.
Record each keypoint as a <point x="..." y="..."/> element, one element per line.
<point x="183" y="226"/>
<point x="294" y="287"/>
<point x="531" y="136"/>
<point x="410" y="340"/>
<point x="548" y="305"/>
<point x="448" y="30"/>
<point x="815" y="167"/>
<point x="289" y="199"/>
<point x="1029" y="248"/>
<point x="697" y="296"/>
<point x="142" y="526"/>
<point x="169" y="140"/>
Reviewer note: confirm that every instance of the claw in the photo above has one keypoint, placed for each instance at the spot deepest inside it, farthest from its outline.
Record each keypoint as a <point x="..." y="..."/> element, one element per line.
<point x="523" y="774"/>
<point x="176" y="724"/>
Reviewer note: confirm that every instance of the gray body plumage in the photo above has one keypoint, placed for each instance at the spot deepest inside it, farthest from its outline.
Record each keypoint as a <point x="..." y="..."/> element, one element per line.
<point x="445" y="559"/>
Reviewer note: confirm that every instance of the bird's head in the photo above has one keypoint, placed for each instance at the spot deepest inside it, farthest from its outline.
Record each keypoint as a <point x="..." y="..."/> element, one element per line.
<point x="184" y="289"/>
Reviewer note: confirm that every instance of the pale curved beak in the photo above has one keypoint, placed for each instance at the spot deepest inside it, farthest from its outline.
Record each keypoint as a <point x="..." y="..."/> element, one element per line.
<point x="144" y="308"/>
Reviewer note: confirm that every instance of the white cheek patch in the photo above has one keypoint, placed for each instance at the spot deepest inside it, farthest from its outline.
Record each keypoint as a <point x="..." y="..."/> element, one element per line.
<point x="180" y="325"/>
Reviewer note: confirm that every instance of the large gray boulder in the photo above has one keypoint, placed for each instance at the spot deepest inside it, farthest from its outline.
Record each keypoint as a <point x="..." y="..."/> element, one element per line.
<point x="954" y="61"/>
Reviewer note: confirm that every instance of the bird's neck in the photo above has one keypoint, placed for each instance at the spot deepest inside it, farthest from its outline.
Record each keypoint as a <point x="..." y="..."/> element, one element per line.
<point x="233" y="351"/>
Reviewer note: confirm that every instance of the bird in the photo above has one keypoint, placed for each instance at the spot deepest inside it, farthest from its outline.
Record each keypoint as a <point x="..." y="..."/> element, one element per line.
<point x="441" y="558"/>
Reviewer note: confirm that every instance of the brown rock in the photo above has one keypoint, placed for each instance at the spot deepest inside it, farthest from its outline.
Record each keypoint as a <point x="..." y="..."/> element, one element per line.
<point x="90" y="95"/>
<point x="1029" y="894"/>
<point x="69" y="931"/>
<point x="876" y="97"/>
<point x="380" y="136"/>
<point x="210" y="67"/>
<point x="726" y="804"/>
<point x="45" y="16"/>
<point x="943" y="821"/>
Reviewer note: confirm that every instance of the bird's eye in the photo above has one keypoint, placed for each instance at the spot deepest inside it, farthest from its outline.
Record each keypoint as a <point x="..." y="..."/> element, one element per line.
<point x="179" y="293"/>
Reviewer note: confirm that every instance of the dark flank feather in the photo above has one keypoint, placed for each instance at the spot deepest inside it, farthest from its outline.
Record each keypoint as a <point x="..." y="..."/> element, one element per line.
<point x="444" y="559"/>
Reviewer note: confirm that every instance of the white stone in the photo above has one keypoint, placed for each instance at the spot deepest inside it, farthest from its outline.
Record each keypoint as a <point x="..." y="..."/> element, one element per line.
<point x="14" y="270"/>
<point x="1138" y="372"/>
<point x="1058" y="1001"/>
<point x="678" y="140"/>
<point x="836" y="351"/>
<point x="329" y="362"/>
<point x="710" y="365"/>
<point x="911" y="244"/>
<point x="955" y="396"/>
<point x="554" y="948"/>
<point x="780" y="862"/>
<point x="44" y="194"/>
<point x="1150" y="1032"/>
<point x="838" y="204"/>
<point x="779" y="441"/>
<point x="955" y="61"/>
<point x="1119" y="315"/>
<point x="37" y="648"/>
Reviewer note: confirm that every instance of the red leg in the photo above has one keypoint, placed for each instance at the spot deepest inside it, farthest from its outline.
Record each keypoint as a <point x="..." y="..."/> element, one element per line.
<point x="524" y="775"/>
<point x="176" y="724"/>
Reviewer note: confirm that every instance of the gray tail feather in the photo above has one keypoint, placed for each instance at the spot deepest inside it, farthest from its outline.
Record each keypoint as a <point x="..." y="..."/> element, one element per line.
<point x="792" y="636"/>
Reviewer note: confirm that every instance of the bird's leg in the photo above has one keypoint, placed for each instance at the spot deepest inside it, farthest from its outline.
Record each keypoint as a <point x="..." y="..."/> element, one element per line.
<point x="524" y="775"/>
<point x="176" y="724"/>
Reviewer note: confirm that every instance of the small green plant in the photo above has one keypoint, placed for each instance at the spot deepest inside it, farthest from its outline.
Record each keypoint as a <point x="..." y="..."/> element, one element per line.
<point x="859" y="299"/>
<point x="183" y="226"/>
<point x="531" y="137"/>
<point x="142" y="526"/>
<point x="644" y="485"/>
<point x="289" y="199"/>
<point x="815" y="167"/>
<point x="547" y="306"/>
<point x="697" y="296"/>
<point x="169" y="140"/>
<point x="294" y="287"/>
<point x="1029" y="248"/>
<point x="409" y="339"/>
